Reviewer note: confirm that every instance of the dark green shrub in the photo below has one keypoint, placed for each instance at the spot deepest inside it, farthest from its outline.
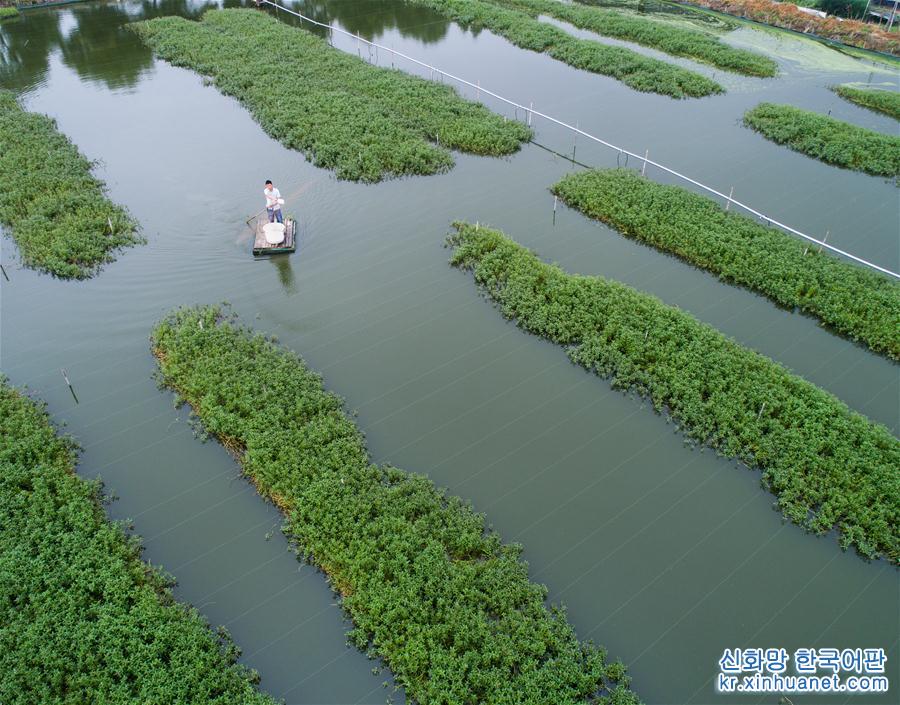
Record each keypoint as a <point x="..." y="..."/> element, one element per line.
<point x="515" y="24"/>
<point x="55" y="209"/>
<point x="829" y="467"/>
<point x="856" y="302"/>
<point x="82" y="618"/>
<point x="829" y="140"/>
<point x="881" y="101"/>
<point x="445" y="604"/>
<point x="365" y="122"/>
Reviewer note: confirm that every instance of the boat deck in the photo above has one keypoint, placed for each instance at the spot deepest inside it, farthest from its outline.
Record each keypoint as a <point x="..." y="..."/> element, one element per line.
<point x="261" y="247"/>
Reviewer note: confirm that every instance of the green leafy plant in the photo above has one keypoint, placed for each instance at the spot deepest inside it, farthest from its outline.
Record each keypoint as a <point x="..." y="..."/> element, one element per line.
<point x="881" y="101"/>
<point x="826" y="139"/>
<point x="667" y="37"/>
<point x="855" y="302"/>
<point x="8" y="13"/>
<point x="829" y="467"/>
<point x="364" y="122"/>
<point x="55" y="209"/>
<point x="515" y="23"/>
<point x="82" y="618"/>
<point x="445" y="604"/>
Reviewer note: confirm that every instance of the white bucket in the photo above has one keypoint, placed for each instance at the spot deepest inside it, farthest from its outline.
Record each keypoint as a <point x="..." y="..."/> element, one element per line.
<point x="274" y="233"/>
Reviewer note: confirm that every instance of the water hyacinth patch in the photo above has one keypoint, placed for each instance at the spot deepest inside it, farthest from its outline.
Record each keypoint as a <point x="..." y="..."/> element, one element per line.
<point x="517" y="25"/>
<point x="881" y="101"/>
<point x="441" y="600"/>
<point x="856" y="302"/>
<point x="82" y="618"/>
<point x="674" y="40"/>
<point x="826" y="139"/>
<point x="364" y="122"/>
<point x="55" y="209"/>
<point x="829" y="466"/>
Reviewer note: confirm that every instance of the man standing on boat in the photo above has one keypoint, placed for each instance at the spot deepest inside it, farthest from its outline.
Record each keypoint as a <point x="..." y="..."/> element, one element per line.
<point x="273" y="203"/>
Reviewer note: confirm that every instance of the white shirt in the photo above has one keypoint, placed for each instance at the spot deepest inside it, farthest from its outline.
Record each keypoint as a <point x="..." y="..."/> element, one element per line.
<point x="272" y="195"/>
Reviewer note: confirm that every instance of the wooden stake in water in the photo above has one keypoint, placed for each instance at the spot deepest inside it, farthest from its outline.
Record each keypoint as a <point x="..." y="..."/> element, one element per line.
<point x="478" y="89"/>
<point x="555" y="201"/>
<point x="824" y="240"/>
<point x="4" y="272"/>
<point x="730" y="194"/>
<point x="574" y="144"/>
<point x="530" y="109"/>
<point x="69" y="384"/>
<point x="644" y="168"/>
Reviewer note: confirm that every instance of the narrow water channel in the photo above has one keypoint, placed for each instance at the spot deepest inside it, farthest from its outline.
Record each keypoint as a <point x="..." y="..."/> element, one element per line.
<point x="664" y="554"/>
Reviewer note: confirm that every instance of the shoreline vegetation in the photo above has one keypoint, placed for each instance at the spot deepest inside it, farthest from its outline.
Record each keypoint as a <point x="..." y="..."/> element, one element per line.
<point x="433" y="593"/>
<point x="829" y="140"/>
<point x="785" y="15"/>
<point x="666" y="37"/>
<point x="374" y="123"/>
<point x="853" y="301"/>
<point x="54" y="208"/>
<point x="829" y="467"/>
<point x="879" y="101"/>
<point x="8" y="12"/>
<point x="517" y="26"/>
<point x="85" y="620"/>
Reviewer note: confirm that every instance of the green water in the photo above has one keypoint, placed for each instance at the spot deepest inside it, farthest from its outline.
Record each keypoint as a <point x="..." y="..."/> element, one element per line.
<point x="665" y="555"/>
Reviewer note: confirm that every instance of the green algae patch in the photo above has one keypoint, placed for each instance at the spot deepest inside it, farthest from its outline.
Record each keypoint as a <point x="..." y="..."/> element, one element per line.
<point x="521" y="26"/>
<point x="827" y="139"/>
<point x="441" y="600"/>
<point x="829" y="467"/>
<point x="363" y="122"/>
<point x="853" y="301"/>
<point x="54" y="208"/>
<point x="84" y="620"/>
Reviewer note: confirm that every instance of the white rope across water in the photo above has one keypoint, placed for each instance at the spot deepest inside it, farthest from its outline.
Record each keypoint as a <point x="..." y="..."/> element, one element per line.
<point x="530" y="112"/>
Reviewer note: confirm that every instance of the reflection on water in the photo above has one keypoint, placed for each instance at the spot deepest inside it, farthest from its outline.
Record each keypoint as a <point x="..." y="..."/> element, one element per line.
<point x="376" y="17"/>
<point x="94" y="41"/>
<point x="285" y="272"/>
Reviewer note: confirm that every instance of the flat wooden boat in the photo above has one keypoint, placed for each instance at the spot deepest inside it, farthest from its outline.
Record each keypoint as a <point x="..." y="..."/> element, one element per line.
<point x="261" y="245"/>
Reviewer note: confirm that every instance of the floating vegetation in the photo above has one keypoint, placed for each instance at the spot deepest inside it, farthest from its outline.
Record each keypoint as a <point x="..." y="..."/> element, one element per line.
<point x="84" y="619"/>
<point x="881" y="101"/>
<point x="826" y="139"/>
<point x="666" y="37"/>
<point x="524" y="30"/>
<point x="364" y="122"/>
<point x="445" y="604"/>
<point x="830" y="467"/>
<point x="856" y="302"/>
<point x="7" y="13"/>
<point x="55" y="210"/>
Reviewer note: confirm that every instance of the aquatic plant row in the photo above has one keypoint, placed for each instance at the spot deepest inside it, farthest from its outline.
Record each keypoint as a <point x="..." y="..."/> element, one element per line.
<point x="8" y="12"/>
<point x="855" y="302"/>
<point x="829" y="467"/>
<point x="55" y="209"/>
<point x="364" y="122"/>
<point x="881" y="101"/>
<point x="666" y="37"/>
<point x="522" y="29"/>
<point x="827" y="139"/>
<point x="446" y="605"/>
<point x="84" y="620"/>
